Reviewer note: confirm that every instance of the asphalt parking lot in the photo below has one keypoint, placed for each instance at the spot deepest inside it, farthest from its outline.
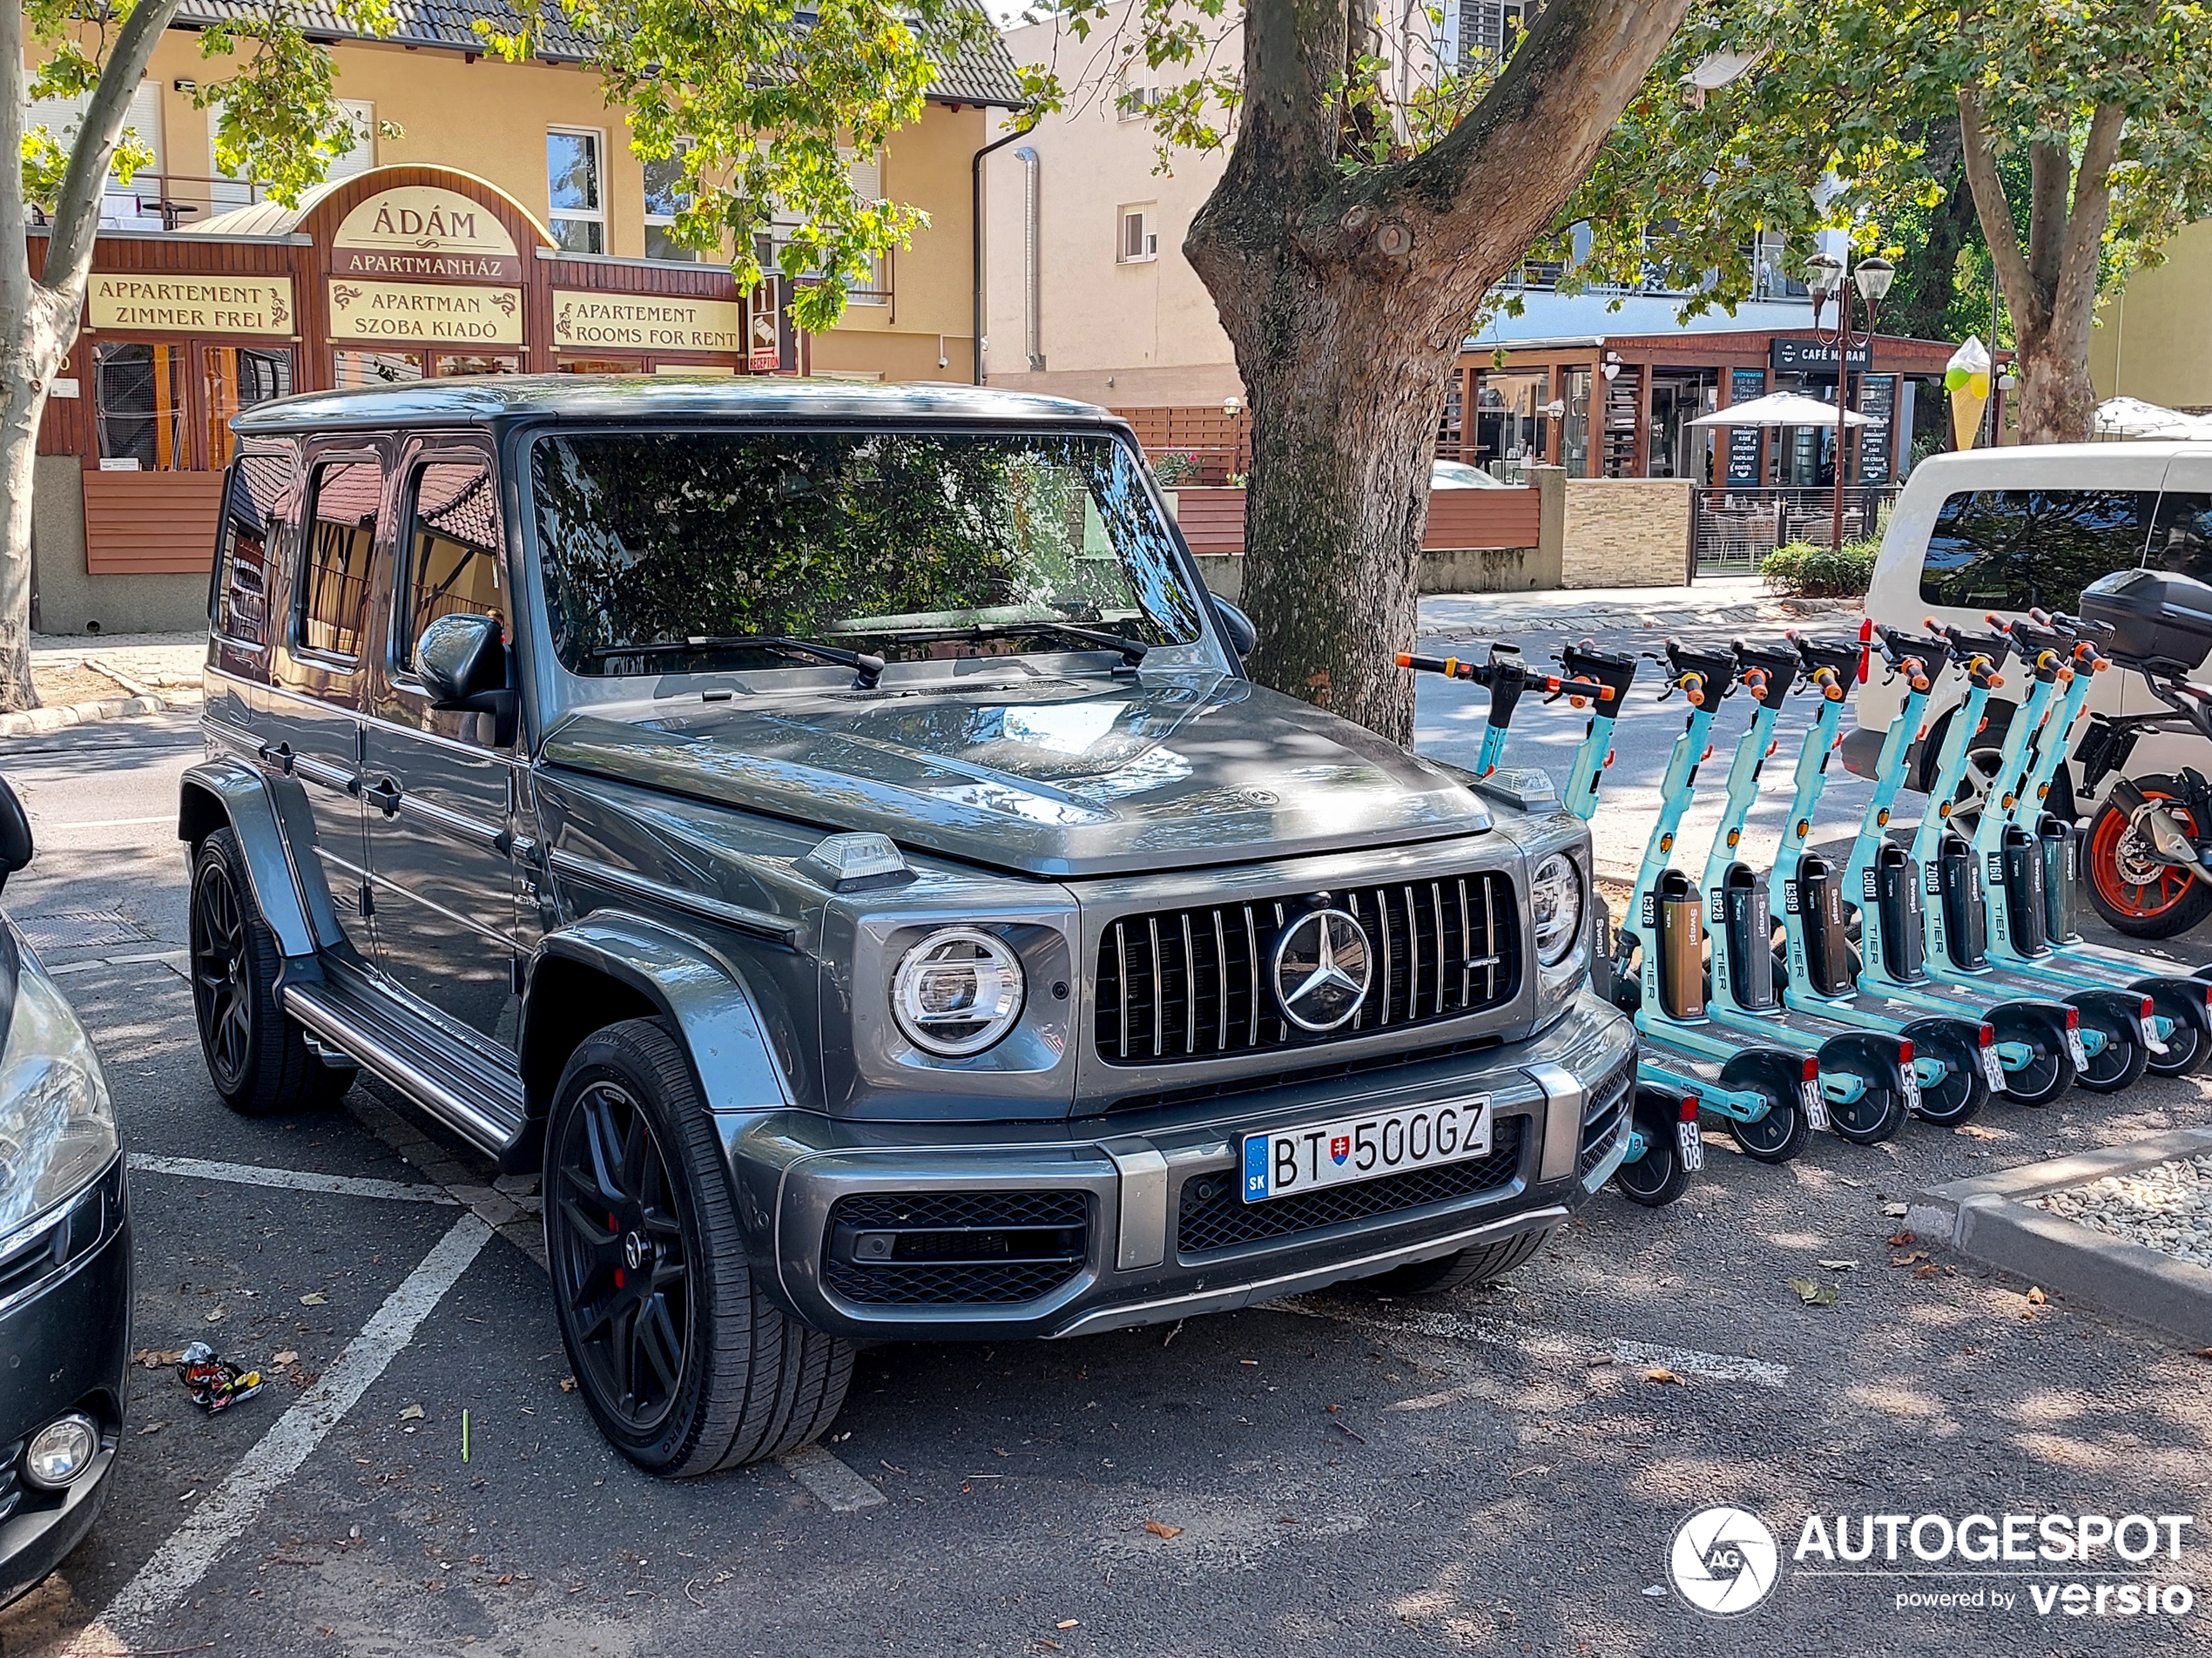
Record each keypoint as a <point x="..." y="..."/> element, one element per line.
<point x="1496" y="1471"/>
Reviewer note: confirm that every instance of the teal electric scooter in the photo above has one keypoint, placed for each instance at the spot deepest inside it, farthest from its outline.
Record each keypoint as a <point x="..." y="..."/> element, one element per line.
<point x="1665" y="1147"/>
<point x="1952" y="1055"/>
<point x="1868" y="1076"/>
<point x="2030" y="1059"/>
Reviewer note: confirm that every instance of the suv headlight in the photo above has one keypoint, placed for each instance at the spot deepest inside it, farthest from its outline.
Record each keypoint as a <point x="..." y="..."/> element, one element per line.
<point x="57" y="1122"/>
<point x="1555" y="896"/>
<point x="957" y="992"/>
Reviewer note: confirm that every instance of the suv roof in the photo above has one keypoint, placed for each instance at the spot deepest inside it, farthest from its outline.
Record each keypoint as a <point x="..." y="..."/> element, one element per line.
<point x="491" y="398"/>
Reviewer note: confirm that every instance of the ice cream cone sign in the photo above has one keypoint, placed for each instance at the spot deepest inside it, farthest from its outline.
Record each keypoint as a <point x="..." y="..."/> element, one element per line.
<point x="1966" y="378"/>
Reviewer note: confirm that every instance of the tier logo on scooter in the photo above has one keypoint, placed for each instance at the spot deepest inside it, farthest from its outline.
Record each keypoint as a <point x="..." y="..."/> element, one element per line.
<point x="1724" y="1560"/>
<point x="1323" y="967"/>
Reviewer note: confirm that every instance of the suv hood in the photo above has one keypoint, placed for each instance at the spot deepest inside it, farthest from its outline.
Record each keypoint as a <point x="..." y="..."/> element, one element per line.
<point x="1051" y="777"/>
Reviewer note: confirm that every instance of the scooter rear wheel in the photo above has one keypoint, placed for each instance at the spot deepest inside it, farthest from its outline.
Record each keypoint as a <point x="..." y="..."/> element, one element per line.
<point x="1874" y="1116"/>
<point x="1782" y="1133"/>
<point x="2048" y="1072"/>
<point x="2186" y="1047"/>
<point x="1959" y="1096"/>
<point x="1658" y="1177"/>
<point x="2120" y="1064"/>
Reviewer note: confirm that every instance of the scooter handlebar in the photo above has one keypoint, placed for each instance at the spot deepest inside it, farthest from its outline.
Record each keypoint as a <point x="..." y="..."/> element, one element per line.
<point x="1483" y="673"/>
<point x="1837" y="656"/>
<point x="1996" y="646"/>
<point x="1775" y="665"/>
<point x="1702" y="676"/>
<point x="1611" y="669"/>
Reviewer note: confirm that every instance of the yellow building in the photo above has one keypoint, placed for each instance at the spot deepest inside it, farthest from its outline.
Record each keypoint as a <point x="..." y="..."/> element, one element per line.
<point x="2154" y="337"/>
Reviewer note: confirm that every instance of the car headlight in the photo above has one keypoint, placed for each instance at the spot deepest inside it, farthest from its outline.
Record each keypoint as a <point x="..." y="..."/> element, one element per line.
<point x="1556" y="895"/>
<point x="957" y="992"/>
<point x="57" y="1122"/>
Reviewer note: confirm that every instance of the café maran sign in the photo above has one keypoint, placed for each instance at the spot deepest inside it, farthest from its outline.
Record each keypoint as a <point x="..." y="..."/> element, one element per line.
<point x="1794" y="356"/>
<point x="418" y="232"/>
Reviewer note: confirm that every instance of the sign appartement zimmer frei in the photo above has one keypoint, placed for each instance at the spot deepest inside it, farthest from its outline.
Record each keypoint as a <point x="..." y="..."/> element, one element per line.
<point x="190" y="304"/>
<point x="671" y="322"/>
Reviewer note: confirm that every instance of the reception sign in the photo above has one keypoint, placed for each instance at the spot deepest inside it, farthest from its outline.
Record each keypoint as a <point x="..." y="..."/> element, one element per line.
<point x="425" y="311"/>
<point x="423" y="231"/>
<point x="645" y="322"/>
<point x="209" y="304"/>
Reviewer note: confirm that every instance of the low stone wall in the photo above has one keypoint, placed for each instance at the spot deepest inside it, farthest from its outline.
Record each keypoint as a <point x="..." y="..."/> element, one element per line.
<point x="1626" y="532"/>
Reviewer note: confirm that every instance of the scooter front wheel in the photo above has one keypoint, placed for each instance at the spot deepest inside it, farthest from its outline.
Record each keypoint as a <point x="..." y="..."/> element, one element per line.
<point x="1959" y="1096"/>
<point x="2049" y="1071"/>
<point x="2186" y="1047"/>
<point x="1874" y="1116"/>
<point x="1659" y="1176"/>
<point x="1782" y="1133"/>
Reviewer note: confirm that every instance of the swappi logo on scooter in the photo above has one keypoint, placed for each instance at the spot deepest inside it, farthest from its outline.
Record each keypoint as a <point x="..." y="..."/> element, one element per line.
<point x="1726" y="1561"/>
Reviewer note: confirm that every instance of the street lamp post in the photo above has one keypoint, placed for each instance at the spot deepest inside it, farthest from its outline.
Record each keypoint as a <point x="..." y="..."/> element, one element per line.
<point x="1824" y="276"/>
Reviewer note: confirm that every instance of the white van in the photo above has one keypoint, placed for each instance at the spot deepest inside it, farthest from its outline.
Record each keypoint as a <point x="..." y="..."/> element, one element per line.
<point x="1999" y="531"/>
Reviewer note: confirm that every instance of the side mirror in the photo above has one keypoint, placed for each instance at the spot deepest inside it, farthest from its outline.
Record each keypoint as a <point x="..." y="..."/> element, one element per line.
<point x="15" y="834"/>
<point x="461" y="661"/>
<point x="1236" y="626"/>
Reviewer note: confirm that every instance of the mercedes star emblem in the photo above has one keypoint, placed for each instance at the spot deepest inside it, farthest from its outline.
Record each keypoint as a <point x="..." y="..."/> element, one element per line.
<point x="1322" y="969"/>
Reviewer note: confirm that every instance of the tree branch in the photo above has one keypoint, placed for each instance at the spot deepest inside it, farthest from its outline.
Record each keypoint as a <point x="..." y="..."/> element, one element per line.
<point x="76" y="211"/>
<point x="2050" y="170"/>
<point x="2029" y="313"/>
<point x="2074" y="293"/>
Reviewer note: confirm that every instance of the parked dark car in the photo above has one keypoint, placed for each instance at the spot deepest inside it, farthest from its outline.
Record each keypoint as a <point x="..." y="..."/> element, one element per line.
<point x="830" y="831"/>
<point x="64" y="1260"/>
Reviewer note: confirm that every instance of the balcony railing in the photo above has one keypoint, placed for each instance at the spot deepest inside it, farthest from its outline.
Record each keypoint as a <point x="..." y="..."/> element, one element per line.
<point x="169" y="201"/>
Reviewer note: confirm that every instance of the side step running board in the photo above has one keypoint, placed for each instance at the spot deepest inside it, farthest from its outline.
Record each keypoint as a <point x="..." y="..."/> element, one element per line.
<point x="483" y="1105"/>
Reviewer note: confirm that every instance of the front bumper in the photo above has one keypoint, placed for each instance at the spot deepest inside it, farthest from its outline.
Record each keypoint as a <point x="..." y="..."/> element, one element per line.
<point x="1151" y="1196"/>
<point x="64" y="1344"/>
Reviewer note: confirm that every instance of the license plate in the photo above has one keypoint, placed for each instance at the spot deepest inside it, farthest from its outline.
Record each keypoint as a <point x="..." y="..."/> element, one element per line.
<point x="2075" y="1052"/>
<point x="1692" y="1145"/>
<point x="1816" y="1109"/>
<point x="1993" y="1069"/>
<point x="1911" y="1090"/>
<point x="1291" y="1161"/>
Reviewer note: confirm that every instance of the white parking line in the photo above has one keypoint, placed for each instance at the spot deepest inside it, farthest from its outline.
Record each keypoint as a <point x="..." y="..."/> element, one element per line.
<point x="1454" y="1326"/>
<point x="242" y="1174"/>
<point x="176" y="959"/>
<point x="181" y="1562"/>
<point x="38" y="823"/>
<point x="834" y="1484"/>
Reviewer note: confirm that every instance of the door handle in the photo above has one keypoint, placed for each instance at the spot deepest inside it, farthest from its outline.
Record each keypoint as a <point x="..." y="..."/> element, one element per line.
<point x="280" y="755"/>
<point x="384" y="795"/>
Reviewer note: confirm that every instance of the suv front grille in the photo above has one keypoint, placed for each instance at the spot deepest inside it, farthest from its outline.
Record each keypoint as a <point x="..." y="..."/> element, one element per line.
<point x="1178" y="985"/>
<point x="1214" y="1215"/>
<point x="953" y="1249"/>
<point x="1602" y="1119"/>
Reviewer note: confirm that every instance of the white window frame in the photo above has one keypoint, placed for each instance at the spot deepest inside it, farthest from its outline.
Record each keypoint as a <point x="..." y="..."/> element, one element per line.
<point x="1133" y="100"/>
<point x="857" y="166"/>
<point x="1147" y="215"/>
<point x="582" y="215"/>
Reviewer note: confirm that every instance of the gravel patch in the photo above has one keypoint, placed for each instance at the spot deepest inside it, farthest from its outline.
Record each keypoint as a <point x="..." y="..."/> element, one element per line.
<point x="2168" y="1208"/>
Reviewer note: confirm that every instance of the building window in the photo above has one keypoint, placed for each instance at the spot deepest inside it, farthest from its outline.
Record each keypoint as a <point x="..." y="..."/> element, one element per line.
<point x="334" y="571"/>
<point x="666" y="197"/>
<point x="460" y="365"/>
<point x="866" y="174"/>
<point x="236" y="377"/>
<point x="1487" y="29"/>
<point x="576" y="187"/>
<point x="1133" y="98"/>
<point x="138" y="404"/>
<point x="375" y="367"/>
<point x="1140" y="235"/>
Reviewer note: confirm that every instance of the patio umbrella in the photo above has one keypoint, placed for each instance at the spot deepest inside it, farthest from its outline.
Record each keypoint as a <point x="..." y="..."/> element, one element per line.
<point x="2126" y="417"/>
<point x="1781" y="408"/>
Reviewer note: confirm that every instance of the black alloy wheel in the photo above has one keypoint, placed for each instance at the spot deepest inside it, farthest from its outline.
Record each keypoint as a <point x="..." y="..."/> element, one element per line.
<point x="617" y="1243"/>
<point x="1782" y="1132"/>
<point x="220" y="974"/>
<point x="1659" y="1176"/>
<point x="1963" y="1090"/>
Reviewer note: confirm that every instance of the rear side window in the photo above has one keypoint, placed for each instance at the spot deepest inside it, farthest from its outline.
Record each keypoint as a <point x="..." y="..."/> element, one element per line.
<point x="451" y="553"/>
<point x="2018" y="550"/>
<point x="255" y="501"/>
<point x="334" y="576"/>
<point x="2182" y="539"/>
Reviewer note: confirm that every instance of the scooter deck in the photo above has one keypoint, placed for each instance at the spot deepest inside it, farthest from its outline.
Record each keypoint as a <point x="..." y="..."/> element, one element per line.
<point x="1784" y="1026"/>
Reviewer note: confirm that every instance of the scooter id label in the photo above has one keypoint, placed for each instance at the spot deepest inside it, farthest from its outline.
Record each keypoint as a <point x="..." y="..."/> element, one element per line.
<point x="1993" y="1069"/>
<point x="1816" y="1109"/>
<point x="1691" y="1144"/>
<point x="2075" y="1051"/>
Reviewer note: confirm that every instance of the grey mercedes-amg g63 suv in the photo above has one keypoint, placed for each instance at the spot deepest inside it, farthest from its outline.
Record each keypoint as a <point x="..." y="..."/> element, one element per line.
<point x="827" y="831"/>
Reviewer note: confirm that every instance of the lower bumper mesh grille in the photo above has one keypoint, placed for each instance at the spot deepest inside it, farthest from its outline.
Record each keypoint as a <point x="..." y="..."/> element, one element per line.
<point x="1602" y="1119"/>
<point x="1214" y="1216"/>
<point x="955" y="1249"/>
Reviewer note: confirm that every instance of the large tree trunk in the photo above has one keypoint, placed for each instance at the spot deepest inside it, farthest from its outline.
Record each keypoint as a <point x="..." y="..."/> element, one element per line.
<point x="2050" y="287"/>
<point x="1347" y="297"/>
<point x="28" y="364"/>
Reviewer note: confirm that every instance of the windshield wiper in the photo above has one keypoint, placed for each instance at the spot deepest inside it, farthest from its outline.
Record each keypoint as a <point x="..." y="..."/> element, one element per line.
<point x="867" y="670"/>
<point x="1132" y="651"/>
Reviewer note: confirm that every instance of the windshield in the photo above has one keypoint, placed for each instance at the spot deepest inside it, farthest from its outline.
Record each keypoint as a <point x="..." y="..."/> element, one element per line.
<point x="906" y="545"/>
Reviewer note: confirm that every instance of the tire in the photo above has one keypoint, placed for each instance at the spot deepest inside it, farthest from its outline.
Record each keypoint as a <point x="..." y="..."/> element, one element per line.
<point x="1958" y="1098"/>
<point x="2187" y="1048"/>
<point x="694" y="1369"/>
<point x="257" y="1058"/>
<point x="2050" y="1073"/>
<point x="1658" y="1177"/>
<point x="1450" y="1272"/>
<point x="2135" y="893"/>
<point x="1874" y="1116"/>
<point x="2121" y="1063"/>
<point x="1783" y="1132"/>
<point x="1983" y="749"/>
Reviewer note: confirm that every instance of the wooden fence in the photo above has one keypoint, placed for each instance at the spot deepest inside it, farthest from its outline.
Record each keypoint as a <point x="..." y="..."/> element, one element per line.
<point x="1213" y="519"/>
